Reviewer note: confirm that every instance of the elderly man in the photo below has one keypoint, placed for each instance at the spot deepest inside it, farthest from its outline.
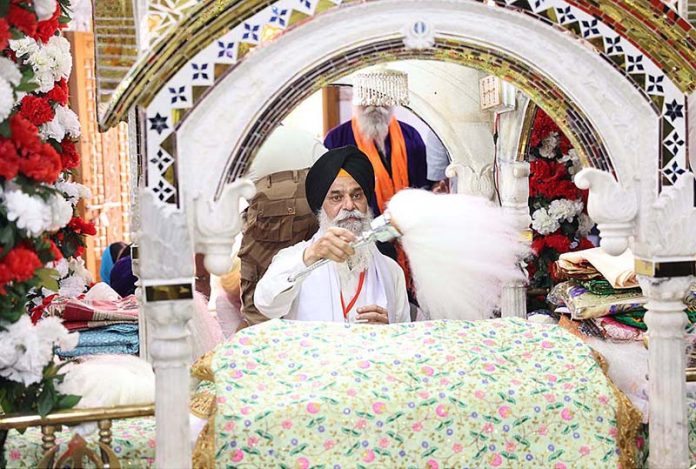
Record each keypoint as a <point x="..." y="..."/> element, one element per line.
<point x="361" y="285"/>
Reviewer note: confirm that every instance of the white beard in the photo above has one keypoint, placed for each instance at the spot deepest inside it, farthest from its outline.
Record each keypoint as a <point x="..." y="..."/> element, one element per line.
<point x="373" y="123"/>
<point x="349" y="271"/>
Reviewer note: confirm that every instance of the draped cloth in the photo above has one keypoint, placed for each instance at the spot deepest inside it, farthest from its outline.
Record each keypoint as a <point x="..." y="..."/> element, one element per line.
<point x="317" y="297"/>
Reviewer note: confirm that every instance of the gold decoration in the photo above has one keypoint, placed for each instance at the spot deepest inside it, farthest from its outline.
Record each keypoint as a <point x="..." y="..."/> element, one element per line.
<point x="75" y="455"/>
<point x="202" y="404"/>
<point x="204" y="451"/>
<point x="203" y="367"/>
<point x="180" y="291"/>
<point x="75" y="416"/>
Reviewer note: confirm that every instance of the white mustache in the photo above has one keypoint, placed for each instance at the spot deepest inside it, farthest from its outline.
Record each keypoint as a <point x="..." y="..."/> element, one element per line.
<point x="345" y="214"/>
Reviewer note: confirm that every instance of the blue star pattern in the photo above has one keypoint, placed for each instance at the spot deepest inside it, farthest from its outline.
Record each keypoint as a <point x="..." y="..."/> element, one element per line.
<point x="278" y="16"/>
<point x="178" y="94"/>
<point x="590" y="28"/>
<point x="306" y="3"/>
<point x="655" y="84"/>
<point x="613" y="45"/>
<point x="251" y="32"/>
<point x="674" y="110"/>
<point x="673" y="172"/>
<point x="226" y="49"/>
<point x="158" y="123"/>
<point x="199" y="71"/>
<point x="565" y="15"/>
<point x="635" y="63"/>
<point x="673" y="143"/>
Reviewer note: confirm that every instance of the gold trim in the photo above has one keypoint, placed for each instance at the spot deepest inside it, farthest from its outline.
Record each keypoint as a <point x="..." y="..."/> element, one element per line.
<point x="210" y="18"/>
<point x="203" y="368"/>
<point x="202" y="404"/>
<point x="526" y="132"/>
<point x="75" y="416"/>
<point x="204" y="451"/>
<point x="644" y="267"/>
<point x="180" y="291"/>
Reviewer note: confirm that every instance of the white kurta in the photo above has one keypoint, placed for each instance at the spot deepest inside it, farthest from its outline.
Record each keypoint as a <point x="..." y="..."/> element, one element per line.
<point x="317" y="297"/>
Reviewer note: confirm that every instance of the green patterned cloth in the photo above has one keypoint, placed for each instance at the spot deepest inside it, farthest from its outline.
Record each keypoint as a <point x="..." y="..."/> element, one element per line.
<point x="133" y="443"/>
<point x="437" y="394"/>
<point x="603" y="287"/>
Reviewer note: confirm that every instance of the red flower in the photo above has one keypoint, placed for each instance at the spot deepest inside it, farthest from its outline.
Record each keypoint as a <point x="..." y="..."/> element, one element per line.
<point x="48" y="28"/>
<point x="537" y="245"/>
<point x="57" y="255"/>
<point x="5" y="35"/>
<point x="22" y="19"/>
<point x="59" y="93"/>
<point x="80" y="226"/>
<point x="36" y="110"/>
<point x="43" y="165"/>
<point x="9" y="162"/>
<point x="541" y="128"/>
<point x="24" y="133"/>
<point x="585" y="243"/>
<point x="22" y="262"/>
<point x="79" y="251"/>
<point x="566" y="190"/>
<point x="558" y="242"/>
<point x="70" y="157"/>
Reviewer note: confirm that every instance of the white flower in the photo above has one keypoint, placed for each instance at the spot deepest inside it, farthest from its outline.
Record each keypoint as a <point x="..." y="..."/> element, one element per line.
<point x="61" y="212"/>
<point x="65" y="122"/>
<point x="59" y="49"/>
<point x="61" y="266"/>
<point x="44" y="8"/>
<point x="7" y="99"/>
<point x="585" y="225"/>
<point x="565" y="209"/>
<point x="72" y="286"/>
<point x="74" y="191"/>
<point x="25" y="349"/>
<point x="24" y="46"/>
<point x="77" y="267"/>
<point x="543" y="223"/>
<point x="29" y="213"/>
<point x="9" y="71"/>
<point x="548" y="145"/>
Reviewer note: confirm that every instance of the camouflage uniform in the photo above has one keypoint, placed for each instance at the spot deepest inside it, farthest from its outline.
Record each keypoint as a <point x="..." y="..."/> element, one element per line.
<point x="278" y="217"/>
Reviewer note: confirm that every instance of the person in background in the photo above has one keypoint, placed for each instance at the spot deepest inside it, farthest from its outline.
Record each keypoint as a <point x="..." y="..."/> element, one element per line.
<point x="228" y="303"/>
<point x="110" y="256"/>
<point x="122" y="278"/>
<point x="438" y="160"/>
<point x="202" y="281"/>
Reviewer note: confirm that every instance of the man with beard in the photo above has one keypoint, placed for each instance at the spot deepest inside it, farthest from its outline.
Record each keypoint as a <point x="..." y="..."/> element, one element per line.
<point x="361" y="285"/>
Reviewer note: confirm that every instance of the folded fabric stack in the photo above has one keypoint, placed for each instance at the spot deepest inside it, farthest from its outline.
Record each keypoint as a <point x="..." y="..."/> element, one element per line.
<point x="105" y="326"/>
<point x="602" y="296"/>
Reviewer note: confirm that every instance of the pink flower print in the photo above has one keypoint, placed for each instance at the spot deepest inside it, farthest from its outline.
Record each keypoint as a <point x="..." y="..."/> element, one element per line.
<point x="15" y="455"/>
<point x="568" y="386"/>
<point x="287" y="424"/>
<point x="567" y="414"/>
<point x="444" y="381"/>
<point x="613" y="432"/>
<point x="391" y="378"/>
<point x="424" y="394"/>
<point x="252" y="441"/>
<point x="237" y="455"/>
<point x="479" y="394"/>
<point x="432" y="464"/>
<point x="151" y="443"/>
<point x="261" y="387"/>
<point x="457" y="447"/>
<point x="383" y="442"/>
<point x="529" y="335"/>
<point x="429" y="341"/>
<point x="488" y="427"/>
<point x="236" y="374"/>
<point x="245" y="410"/>
<point x="496" y="460"/>
<point x="416" y="427"/>
<point x="603" y="399"/>
<point x="245" y="341"/>
<point x="516" y="382"/>
<point x="489" y="367"/>
<point x="551" y="378"/>
<point x="584" y="450"/>
<point x="328" y="444"/>
<point x="360" y="424"/>
<point x="301" y="377"/>
<point x="294" y="397"/>
<point x="441" y="410"/>
<point x="302" y="463"/>
<point x="364" y="364"/>
<point x="504" y="411"/>
<point x="510" y="446"/>
<point x="313" y="407"/>
<point x="368" y="456"/>
<point x="352" y="392"/>
<point x="449" y="358"/>
<point x="640" y="442"/>
<point x="476" y="349"/>
<point x="305" y="343"/>
<point x="527" y="355"/>
<point x="229" y="426"/>
<point x="427" y="370"/>
<point x="547" y="344"/>
<point x="550" y="397"/>
<point x="559" y="465"/>
<point x="251" y="365"/>
<point x="221" y="399"/>
<point x="378" y="407"/>
<point x="542" y="430"/>
<point x="489" y="342"/>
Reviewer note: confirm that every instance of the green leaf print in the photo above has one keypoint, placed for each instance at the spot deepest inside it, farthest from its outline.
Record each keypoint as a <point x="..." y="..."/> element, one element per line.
<point x="520" y="421"/>
<point x="509" y="456"/>
<point x="607" y="455"/>
<point x="521" y="440"/>
<point x="298" y="449"/>
<point x="556" y="454"/>
<point x="350" y="431"/>
<point x="429" y="452"/>
<point x="480" y="452"/>
<point x="382" y="452"/>
<point x="395" y="436"/>
<point x="394" y="417"/>
<point x="250" y="450"/>
<point x="264" y="435"/>
<point x="554" y="406"/>
<point x="457" y="402"/>
<point x="353" y="448"/>
<point x="491" y="418"/>
<point x="262" y="416"/>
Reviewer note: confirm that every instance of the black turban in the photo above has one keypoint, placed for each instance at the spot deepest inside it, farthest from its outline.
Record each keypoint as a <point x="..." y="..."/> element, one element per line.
<point x="325" y="169"/>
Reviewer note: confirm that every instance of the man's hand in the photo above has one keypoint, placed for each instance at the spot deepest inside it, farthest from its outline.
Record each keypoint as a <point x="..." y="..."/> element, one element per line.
<point x="333" y="245"/>
<point x="373" y="314"/>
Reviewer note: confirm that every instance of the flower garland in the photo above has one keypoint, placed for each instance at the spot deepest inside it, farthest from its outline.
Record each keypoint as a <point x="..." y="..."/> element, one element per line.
<point x="559" y="218"/>
<point x="41" y="236"/>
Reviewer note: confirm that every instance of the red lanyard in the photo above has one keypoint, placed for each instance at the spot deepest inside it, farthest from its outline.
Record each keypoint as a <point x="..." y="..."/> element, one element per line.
<point x="355" y="298"/>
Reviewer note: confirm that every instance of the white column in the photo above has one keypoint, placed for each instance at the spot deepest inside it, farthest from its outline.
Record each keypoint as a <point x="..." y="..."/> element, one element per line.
<point x="666" y="321"/>
<point x="170" y="350"/>
<point x="514" y="195"/>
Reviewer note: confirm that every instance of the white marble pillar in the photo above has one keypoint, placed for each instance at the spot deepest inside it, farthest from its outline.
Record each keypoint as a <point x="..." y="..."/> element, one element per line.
<point x="666" y="321"/>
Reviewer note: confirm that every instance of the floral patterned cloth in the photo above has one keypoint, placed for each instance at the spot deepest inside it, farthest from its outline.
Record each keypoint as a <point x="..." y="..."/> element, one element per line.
<point x="133" y="442"/>
<point x="435" y="394"/>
